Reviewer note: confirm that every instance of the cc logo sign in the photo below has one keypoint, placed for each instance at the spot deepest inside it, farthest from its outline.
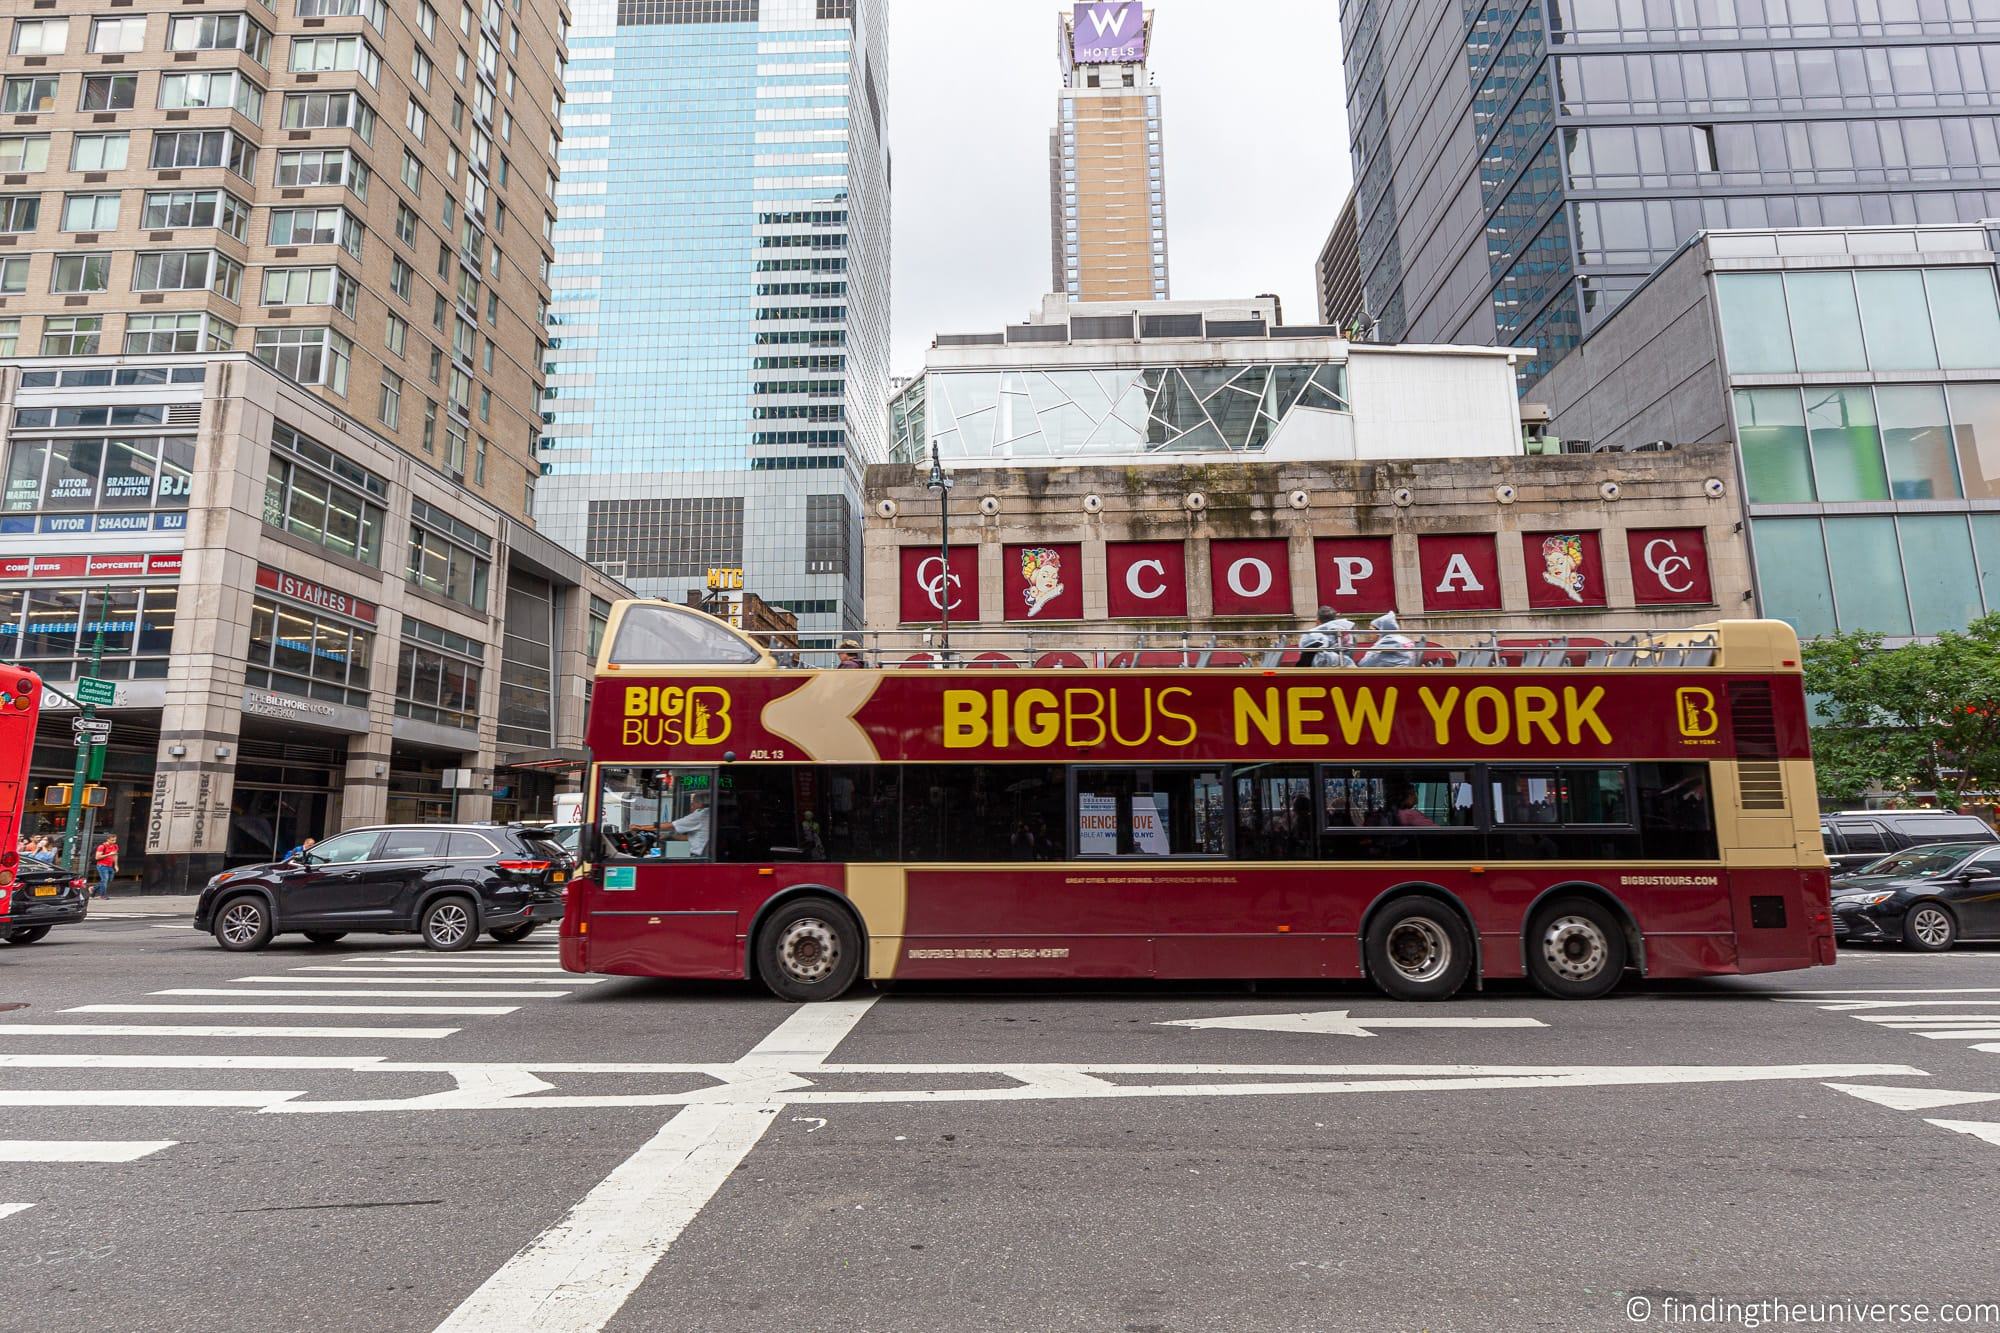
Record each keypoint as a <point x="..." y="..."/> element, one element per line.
<point x="1674" y="570"/>
<point x="935" y="578"/>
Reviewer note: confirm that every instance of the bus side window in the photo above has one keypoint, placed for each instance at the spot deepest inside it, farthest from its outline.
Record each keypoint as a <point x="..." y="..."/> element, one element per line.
<point x="768" y="814"/>
<point x="1275" y="818"/>
<point x="1375" y="812"/>
<point x="982" y="812"/>
<point x="860" y="811"/>
<point x="1676" y="812"/>
<point x="1151" y="812"/>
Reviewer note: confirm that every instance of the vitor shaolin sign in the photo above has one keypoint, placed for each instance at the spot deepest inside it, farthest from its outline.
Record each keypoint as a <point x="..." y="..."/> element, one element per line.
<point x="1110" y="32"/>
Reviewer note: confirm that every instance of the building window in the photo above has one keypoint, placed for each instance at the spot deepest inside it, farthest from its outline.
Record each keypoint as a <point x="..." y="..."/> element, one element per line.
<point x="438" y="676"/>
<point x="36" y="92"/>
<point x="396" y="334"/>
<point x="205" y="89"/>
<point x="109" y="92"/>
<point x="328" y="9"/>
<point x="316" y="226"/>
<point x="24" y="152"/>
<point x="330" y="111"/>
<point x="90" y="212"/>
<point x="71" y="335"/>
<point x="427" y="20"/>
<point x="309" y="356"/>
<point x="82" y="273"/>
<point x="55" y="630"/>
<point x="312" y="492"/>
<point x="169" y="209"/>
<point x="294" y="651"/>
<point x="447" y="557"/>
<point x="391" y="409"/>
<point x="219" y="32"/>
<point x="672" y="537"/>
<point x="193" y="149"/>
<point x="319" y="55"/>
<point x="20" y="212"/>
<point x="93" y="473"/>
<point x="99" y="152"/>
<point x="187" y="332"/>
<point x="187" y="271"/>
<point x="307" y="167"/>
<point x="40" y="37"/>
<point x="13" y="275"/>
<point x="311" y="286"/>
<point x="10" y="335"/>
<point x="420" y="69"/>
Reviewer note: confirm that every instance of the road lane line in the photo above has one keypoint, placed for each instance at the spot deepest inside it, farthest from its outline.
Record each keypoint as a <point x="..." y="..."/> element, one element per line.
<point x="577" y="1275"/>
<point x="267" y="994"/>
<point x="210" y="1030"/>
<point x="80" y="1150"/>
<point x="387" y="969"/>
<point x="457" y="1009"/>
<point x="429" y="981"/>
<point x="143" y="1097"/>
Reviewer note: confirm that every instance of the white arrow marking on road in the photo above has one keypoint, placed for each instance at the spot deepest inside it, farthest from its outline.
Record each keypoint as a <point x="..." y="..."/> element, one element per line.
<point x="1336" y="1023"/>
<point x="145" y="1097"/>
<point x="80" y="1150"/>
<point x="1852" y="1006"/>
<point x="1895" y="990"/>
<point x="292" y="1009"/>
<point x="403" y="980"/>
<point x="1979" y="1129"/>
<point x="374" y="994"/>
<point x="206" y="1030"/>
<point x="9" y="1209"/>
<point x="1913" y="1099"/>
<point x="395" y="969"/>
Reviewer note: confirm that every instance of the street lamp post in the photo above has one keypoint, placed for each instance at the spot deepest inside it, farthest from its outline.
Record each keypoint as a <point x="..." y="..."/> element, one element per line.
<point x="73" y="834"/>
<point x="941" y="484"/>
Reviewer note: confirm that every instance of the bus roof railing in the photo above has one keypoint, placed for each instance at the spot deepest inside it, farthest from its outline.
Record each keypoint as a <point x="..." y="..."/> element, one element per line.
<point x="1117" y="647"/>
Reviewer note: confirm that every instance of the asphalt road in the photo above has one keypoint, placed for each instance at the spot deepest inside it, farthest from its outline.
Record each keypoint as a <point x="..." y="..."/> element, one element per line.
<point x="369" y="1137"/>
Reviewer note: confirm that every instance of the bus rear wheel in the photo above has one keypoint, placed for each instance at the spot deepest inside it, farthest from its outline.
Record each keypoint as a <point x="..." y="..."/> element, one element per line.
<point x="1418" y="949"/>
<point x="1576" y="950"/>
<point x="808" y="949"/>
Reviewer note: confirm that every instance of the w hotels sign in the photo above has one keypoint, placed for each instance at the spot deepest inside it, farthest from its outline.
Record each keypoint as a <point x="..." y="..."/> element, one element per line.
<point x="1110" y="32"/>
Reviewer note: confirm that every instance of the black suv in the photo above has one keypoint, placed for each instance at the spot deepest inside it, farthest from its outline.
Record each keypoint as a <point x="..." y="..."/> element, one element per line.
<point x="1854" y="838"/>
<point x="44" y="897"/>
<point x="446" y="882"/>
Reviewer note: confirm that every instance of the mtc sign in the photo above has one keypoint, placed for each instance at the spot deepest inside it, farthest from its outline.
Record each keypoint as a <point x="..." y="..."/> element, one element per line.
<point x="1111" y="32"/>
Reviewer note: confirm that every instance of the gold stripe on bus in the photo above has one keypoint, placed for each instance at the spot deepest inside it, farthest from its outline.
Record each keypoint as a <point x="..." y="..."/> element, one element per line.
<point x="819" y="718"/>
<point x="878" y="892"/>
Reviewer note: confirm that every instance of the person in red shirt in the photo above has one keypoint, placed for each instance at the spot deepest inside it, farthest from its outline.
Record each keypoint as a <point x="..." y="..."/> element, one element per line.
<point x="107" y="865"/>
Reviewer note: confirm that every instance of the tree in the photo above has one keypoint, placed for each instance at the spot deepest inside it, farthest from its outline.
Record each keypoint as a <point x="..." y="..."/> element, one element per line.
<point x="1921" y="717"/>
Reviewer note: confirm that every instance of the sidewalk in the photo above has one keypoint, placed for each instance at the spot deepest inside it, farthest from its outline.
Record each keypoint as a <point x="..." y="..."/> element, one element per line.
<point x="148" y="904"/>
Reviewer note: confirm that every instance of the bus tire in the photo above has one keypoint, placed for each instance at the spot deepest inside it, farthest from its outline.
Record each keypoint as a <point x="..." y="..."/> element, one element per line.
<point x="1418" y="949"/>
<point x="1576" y="950"/>
<point x="809" y="949"/>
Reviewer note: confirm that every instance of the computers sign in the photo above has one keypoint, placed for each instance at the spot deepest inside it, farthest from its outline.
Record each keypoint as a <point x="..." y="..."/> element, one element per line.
<point x="1110" y="32"/>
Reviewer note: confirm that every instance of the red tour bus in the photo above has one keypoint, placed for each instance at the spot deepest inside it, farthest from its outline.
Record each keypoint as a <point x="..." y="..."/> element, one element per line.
<point x="1565" y="814"/>
<point x="20" y="710"/>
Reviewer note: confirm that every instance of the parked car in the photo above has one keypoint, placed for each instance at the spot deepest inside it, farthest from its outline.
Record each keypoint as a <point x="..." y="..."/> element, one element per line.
<point x="44" y="897"/>
<point x="1853" y="838"/>
<point x="1927" y="897"/>
<point x="445" y="882"/>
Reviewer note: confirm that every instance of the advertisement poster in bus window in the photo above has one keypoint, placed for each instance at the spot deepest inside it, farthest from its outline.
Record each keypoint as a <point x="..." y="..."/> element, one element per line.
<point x="1251" y="578"/>
<point x="1460" y="572"/>
<point x="1096" y="825"/>
<point x="1043" y="581"/>
<point x="1669" y="566"/>
<point x="930" y="588"/>
<point x="1356" y="575"/>
<point x="1564" y="569"/>
<point x="1145" y="578"/>
<point x="1149" y="823"/>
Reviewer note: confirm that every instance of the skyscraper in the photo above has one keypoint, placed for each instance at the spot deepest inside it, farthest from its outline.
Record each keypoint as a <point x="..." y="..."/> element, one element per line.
<point x="1107" y="192"/>
<point x="720" y="344"/>
<point x="1516" y="191"/>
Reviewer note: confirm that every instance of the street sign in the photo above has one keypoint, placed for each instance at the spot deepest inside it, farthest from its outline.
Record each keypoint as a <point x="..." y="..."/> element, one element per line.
<point x="91" y="690"/>
<point x="92" y="740"/>
<point x="90" y="726"/>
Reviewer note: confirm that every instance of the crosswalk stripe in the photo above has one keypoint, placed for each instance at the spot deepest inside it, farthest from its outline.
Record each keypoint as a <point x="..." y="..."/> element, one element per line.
<point x="431" y="981"/>
<point x="371" y="994"/>
<point x="1958" y="1034"/>
<point x="80" y="1150"/>
<point x="143" y="1097"/>
<point x="214" y="1030"/>
<point x="291" y="1009"/>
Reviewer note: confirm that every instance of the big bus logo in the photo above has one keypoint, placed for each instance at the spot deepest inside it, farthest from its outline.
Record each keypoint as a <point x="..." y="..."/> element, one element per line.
<point x="1697" y="712"/>
<point x="676" y="715"/>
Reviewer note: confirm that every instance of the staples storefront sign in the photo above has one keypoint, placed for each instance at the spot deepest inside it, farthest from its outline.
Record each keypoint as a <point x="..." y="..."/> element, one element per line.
<point x="316" y="595"/>
<point x="1111" y="32"/>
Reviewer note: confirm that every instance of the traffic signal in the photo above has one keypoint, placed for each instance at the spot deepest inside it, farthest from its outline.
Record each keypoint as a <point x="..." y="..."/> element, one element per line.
<point x="59" y="795"/>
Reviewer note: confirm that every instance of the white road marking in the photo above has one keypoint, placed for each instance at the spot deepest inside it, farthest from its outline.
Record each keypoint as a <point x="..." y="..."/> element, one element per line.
<point x="80" y="1150"/>
<point x="292" y="1008"/>
<point x="1979" y="1129"/>
<point x="1896" y="990"/>
<point x="9" y="1209"/>
<point x="75" y="1060"/>
<point x="403" y="980"/>
<point x="389" y="969"/>
<point x="143" y="1097"/>
<point x="575" y="1276"/>
<point x="163" y="1030"/>
<point x="1959" y="1034"/>
<point x="1914" y="1099"/>
<point x="374" y="994"/>
<point x="1337" y="1023"/>
<point x="1856" y="1006"/>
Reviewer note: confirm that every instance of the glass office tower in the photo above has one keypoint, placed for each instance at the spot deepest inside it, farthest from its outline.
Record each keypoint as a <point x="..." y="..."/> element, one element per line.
<point x="1516" y="181"/>
<point x="719" y="329"/>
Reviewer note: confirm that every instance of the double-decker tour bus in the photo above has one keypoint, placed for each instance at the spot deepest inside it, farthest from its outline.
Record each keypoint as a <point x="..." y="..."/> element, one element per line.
<point x="20" y="710"/>
<point x="1564" y="809"/>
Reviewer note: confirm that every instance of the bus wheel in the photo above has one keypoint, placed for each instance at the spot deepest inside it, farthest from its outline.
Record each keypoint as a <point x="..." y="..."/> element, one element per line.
<point x="1576" y="950"/>
<point x="808" y="949"/>
<point x="1418" y="949"/>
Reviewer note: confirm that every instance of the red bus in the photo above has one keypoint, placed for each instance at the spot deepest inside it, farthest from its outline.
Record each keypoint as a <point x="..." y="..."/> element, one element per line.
<point x="1567" y="814"/>
<point x="20" y="710"/>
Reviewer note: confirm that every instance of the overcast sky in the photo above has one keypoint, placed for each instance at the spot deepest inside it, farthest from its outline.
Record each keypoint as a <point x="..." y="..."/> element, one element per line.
<point x="1255" y="137"/>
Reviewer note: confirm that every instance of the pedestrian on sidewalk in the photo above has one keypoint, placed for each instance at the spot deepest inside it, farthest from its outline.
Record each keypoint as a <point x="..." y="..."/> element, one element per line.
<point x="107" y="865"/>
